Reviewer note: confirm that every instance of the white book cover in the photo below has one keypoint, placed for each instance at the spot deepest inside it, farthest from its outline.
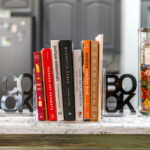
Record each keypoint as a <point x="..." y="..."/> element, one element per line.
<point x="100" y="39"/>
<point x="78" y="84"/>
<point x="57" y="79"/>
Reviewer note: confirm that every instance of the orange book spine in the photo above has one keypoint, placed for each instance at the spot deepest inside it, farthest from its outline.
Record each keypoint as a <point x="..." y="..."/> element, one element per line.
<point x="100" y="39"/>
<point x="94" y="79"/>
<point x="87" y="78"/>
<point x="46" y="111"/>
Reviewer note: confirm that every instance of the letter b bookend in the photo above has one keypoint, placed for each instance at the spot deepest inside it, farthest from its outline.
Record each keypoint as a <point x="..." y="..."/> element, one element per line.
<point x="117" y="98"/>
<point x="16" y="95"/>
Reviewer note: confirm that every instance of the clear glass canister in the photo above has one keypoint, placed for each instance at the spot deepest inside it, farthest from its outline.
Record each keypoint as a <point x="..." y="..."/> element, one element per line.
<point x="144" y="71"/>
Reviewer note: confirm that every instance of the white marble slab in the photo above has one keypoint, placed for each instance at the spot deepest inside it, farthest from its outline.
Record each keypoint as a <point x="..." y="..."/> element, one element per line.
<point x="118" y="125"/>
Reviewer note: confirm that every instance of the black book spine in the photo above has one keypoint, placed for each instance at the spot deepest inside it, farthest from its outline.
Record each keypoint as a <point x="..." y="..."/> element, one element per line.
<point x="66" y="63"/>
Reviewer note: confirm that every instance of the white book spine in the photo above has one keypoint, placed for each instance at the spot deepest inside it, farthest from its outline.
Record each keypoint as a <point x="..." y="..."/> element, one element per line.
<point x="78" y="84"/>
<point x="57" y="79"/>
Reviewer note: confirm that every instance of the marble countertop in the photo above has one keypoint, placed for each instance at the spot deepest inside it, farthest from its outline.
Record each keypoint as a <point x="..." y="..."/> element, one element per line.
<point x="109" y="125"/>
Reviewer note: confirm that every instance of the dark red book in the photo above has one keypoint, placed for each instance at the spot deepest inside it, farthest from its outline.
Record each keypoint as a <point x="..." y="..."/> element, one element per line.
<point x="49" y="83"/>
<point x="39" y="86"/>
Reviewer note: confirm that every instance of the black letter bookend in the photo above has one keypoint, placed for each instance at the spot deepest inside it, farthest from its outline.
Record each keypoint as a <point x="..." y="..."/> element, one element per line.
<point x="17" y="99"/>
<point x="117" y="96"/>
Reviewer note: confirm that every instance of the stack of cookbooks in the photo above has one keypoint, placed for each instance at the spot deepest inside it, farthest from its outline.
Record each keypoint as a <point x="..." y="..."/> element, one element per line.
<point x="69" y="82"/>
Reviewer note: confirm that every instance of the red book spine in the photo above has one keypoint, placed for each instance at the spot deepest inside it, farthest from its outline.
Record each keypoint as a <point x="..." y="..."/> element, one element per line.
<point x="49" y="83"/>
<point x="39" y="86"/>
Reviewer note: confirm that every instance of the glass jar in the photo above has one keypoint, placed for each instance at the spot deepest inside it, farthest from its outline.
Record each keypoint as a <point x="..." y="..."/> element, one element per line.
<point x="144" y="71"/>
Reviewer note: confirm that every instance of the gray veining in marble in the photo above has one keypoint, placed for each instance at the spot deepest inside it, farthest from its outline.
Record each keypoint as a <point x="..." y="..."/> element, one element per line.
<point x="109" y="125"/>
